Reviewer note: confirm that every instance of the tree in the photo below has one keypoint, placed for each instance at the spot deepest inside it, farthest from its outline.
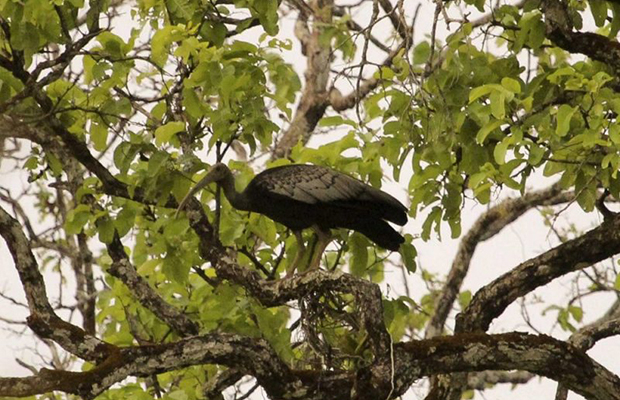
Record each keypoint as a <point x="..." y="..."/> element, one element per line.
<point x="112" y="108"/>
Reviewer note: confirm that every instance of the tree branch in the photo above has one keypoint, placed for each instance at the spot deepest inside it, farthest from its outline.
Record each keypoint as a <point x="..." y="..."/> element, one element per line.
<point x="122" y="269"/>
<point x="313" y="100"/>
<point x="489" y="302"/>
<point x="481" y="380"/>
<point x="541" y="355"/>
<point x="341" y="103"/>
<point x="398" y="22"/>
<point x="252" y="355"/>
<point x="586" y="337"/>
<point x="560" y="32"/>
<point x="43" y="320"/>
<point x="488" y="225"/>
<point x="274" y="293"/>
<point x="595" y="245"/>
<point x="70" y="144"/>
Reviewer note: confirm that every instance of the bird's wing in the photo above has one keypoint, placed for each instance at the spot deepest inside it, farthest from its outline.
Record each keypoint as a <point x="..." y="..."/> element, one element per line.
<point x="310" y="184"/>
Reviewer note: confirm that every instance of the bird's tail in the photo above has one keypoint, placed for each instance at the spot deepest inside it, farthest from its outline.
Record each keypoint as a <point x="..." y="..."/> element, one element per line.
<point x="379" y="232"/>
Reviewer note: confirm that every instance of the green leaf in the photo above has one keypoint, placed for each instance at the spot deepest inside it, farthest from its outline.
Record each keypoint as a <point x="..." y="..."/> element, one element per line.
<point x="537" y="34"/>
<point x="536" y="154"/>
<point x="161" y="42"/>
<point x="433" y="219"/>
<point x="177" y="395"/>
<point x="157" y="161"/>
<point x="54" y="163"/>
<point x="176" y="228"/>
<point x="333" y="120"/>
<point x="497" y="104"/>
<point x="464" y="299"/>
<point x="599" y="11"/>
<point x="99" y="136"/>
<point x="77" y="218"/>
<point x="614" y="133"/>
<point x="499" y="152"/>
<point x="487" y="129"/>
<point x="576" y="313"/>
<point x="25" y="37"/>
<point x="175" y="269"/>
<point x="563" y="320"/>
<point x="112" y="44"/>
<point x="615" y="22"/>
<point x="181" y="10"/>
<point x="267" y="11"/>
<point x="564" y="115"/>
<point x="106" y="229"/>
<point x="164" y="133"/>
<point x="88" y="63"/>
<point x="359" y="251"/>
<point x="124" y="155"/>
<point x="192" y="103"/>
<point x="148" y="267"/>
<point x="455" y="227"/>
<point x="408" y="254"/>
<point x="511" y="84"/>
<point x="483" y="192"/>
<point x="478" y="92"/>
<point x="214" y="32"/>
<point x="124" y="220"/>
<point x="32" y="163"/>
<point x="421" y="53"/>
<point x="556" y="76"/>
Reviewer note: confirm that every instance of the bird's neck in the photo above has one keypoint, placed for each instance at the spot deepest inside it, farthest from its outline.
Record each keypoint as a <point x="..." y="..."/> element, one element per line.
<point x="236" y="199"/>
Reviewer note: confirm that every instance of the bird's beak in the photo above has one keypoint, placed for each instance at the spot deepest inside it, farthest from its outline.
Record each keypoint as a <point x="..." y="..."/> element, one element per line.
<point x="209" y="178"/>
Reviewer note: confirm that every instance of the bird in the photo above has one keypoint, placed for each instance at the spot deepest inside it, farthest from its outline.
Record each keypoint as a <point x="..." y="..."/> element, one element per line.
<point x="301" y="196"/>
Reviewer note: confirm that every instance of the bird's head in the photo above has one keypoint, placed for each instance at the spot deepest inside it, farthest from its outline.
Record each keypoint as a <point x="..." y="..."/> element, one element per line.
<point x="218" y="173"/>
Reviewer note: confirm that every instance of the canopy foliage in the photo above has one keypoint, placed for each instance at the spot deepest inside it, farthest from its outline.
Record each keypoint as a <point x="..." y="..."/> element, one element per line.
<point x="111" y="109"/>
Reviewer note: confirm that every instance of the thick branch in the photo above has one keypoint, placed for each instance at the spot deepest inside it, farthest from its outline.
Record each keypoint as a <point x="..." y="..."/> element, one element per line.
<point x="560" y="32"/>
<point x="488" y="225"/>
<point x="122" y="269"/>
<point x="64" y="142"/>
<point x="586" y="337"/>
<point x="541" y="355"/>
<point x="481" y="380"/>
<point x="596" y="245"/>
<point x="313" y="100"/>
<point x="274" y="293"/>
<point x="253" y="356"/>
<point x="43" y="320"/>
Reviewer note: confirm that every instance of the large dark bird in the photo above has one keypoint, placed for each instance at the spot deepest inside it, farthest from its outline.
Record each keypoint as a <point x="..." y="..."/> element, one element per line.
<point x="302" y="196"/>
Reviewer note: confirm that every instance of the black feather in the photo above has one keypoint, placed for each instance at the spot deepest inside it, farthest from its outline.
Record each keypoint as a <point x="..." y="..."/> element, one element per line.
<point x="300" y="196"/>
<point x="379" y="232"/>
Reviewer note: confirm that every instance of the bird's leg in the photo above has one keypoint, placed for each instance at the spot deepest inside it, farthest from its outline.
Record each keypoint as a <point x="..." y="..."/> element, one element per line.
<point x="325" y="238"/>
<point x="300" y="254"/>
